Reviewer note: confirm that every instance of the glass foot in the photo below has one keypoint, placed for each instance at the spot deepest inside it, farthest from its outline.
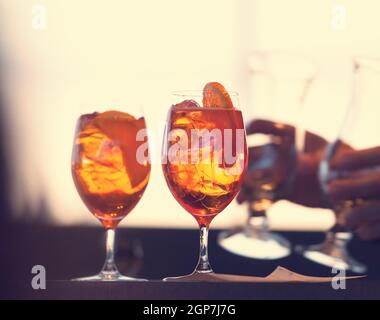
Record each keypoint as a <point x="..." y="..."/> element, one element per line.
<point x="255" y="243"/>
<point x="195" y="276"/>
<point x="108" y="276"/>
<point x="333" y="253"/>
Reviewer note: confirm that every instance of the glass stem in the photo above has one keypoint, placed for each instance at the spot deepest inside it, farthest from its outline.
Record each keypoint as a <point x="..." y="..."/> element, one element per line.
<point x="256" y="213"/>
<point x="109" y="264"/>
<point x="339" y="237"/>
<point x="203" y="263"/>
<point x="257" y="224"/>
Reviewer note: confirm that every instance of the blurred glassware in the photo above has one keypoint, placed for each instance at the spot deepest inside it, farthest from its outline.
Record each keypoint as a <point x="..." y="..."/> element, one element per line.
<point x="280" y="83"/>
<point x="358" y="135"/>
<point x="131" y="253"/>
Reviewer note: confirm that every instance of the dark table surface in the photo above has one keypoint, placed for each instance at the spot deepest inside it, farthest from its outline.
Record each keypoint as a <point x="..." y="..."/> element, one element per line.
<point x="158" y="290"/>
<point x="69" y="252"/>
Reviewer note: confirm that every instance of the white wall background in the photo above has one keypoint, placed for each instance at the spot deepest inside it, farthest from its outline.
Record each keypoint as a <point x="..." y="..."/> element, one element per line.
<point x="120" y="52"/>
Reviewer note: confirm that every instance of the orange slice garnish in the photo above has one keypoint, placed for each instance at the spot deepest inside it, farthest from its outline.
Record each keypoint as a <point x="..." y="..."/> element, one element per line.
<point x="122" y="129"/>
<point x="216" y="96"/>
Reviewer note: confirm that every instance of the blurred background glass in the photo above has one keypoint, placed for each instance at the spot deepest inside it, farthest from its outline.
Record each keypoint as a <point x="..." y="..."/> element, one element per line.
<point x="360" y="170"/>
<point x="126" y="52"/>
<point x="280" y="83"/>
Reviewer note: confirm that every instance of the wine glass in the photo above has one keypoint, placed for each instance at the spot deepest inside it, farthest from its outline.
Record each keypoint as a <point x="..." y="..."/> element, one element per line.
<point x="280" y="83"/>
<point x="110" y="168"/>
<point x="349" y="161"/>
<point x="204" y="159"/>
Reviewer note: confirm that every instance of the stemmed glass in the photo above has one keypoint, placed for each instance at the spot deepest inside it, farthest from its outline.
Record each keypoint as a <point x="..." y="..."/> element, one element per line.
<point x="352" y="164"/>
<point x="280" y="83"/>
<point x="110" y="168"/>
<point x="204" y="158"/>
